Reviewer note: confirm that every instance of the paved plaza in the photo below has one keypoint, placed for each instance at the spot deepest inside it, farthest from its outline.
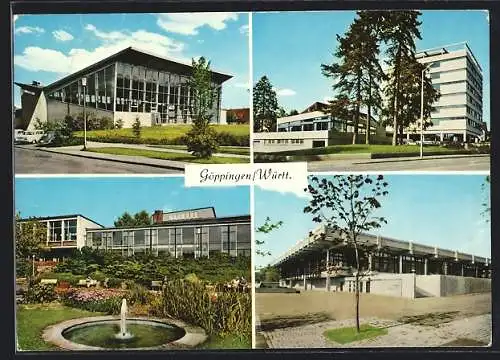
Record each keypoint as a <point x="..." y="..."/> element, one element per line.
<point x="299" y="320"/>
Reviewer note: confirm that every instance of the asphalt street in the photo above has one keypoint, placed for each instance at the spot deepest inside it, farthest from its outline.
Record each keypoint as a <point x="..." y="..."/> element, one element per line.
<point x="41" y="162"/>
<point x="469" y="163"/>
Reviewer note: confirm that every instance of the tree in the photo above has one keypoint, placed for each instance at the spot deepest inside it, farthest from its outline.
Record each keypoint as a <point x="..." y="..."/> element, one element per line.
<point x="281" y="112"/>
<point x="358" y="73"/>
<point x="139" y="219"/>
<point x="345" y="205"/>
<point x="266" y="228"/>
<point x="30" y="237"/>
<point x="293" y="112"/>
<point x="398" y="30"/>
<point x="265" y="106"/>
<point x="136" y="128"/>
<point x="119" y="124"/>
<point x="486" y="204"/>
<point x="201" y="140"/>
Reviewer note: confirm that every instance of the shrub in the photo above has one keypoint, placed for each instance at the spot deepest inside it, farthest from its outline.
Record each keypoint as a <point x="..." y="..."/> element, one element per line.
<point x="227" y="313"/>
<point x="114" y="282"/>
<point x="137" y="293"/>
<point x="24" y="268"/>
<point x="65" y="277"/>
<point x="202" y="142"/>
<point x="40" y="293"/>
<point x="136" y="128"/>
<point x="106" y="123"/>
<point x="119" y="124"/>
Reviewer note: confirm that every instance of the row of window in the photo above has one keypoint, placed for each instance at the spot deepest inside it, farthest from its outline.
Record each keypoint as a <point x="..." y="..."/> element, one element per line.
<point x="475" y="114"/>
<point x="179" y="241"/>
<point x="283" y="141"/>
<point x="61" y="230"/>
<point x="138" y="89"/>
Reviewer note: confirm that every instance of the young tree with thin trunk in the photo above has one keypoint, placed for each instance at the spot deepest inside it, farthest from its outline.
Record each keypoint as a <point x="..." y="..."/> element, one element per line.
<point x="345" y="206"/>
<point x="201" y="140"/>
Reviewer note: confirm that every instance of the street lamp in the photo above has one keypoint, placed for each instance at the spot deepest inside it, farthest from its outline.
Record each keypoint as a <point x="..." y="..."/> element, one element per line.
<point x="33" y="271"/>
<point x="422" y="112"/>
<point x="84" y="84"/>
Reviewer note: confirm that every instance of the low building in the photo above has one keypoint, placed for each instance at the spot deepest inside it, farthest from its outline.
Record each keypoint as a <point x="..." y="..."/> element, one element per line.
<point x="189" y="233"/>
<point x="64" y="232"/>
<point x="131" y="84"/>
<point x="390" y="267"/>
<point x="314" y="127"/>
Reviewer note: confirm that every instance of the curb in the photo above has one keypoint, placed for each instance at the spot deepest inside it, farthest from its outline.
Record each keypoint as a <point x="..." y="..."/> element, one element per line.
<point x="417" y="158"/>
<point x="181" y="165"/>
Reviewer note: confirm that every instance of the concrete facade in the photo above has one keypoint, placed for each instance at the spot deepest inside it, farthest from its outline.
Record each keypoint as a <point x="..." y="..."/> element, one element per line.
<point x="457" y="75"/>
<point x="389" y="267"/>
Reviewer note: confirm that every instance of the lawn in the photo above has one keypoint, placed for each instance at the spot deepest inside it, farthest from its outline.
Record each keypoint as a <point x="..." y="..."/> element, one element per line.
<point x="167" y="155"/>
<point x="169" y="132"/>
<point x="33" y="319"/>
<point x="238" y="150"/>
<point x="227" y="342"/>
<point x="349" y="334"/>
<point x="370" y="149"/>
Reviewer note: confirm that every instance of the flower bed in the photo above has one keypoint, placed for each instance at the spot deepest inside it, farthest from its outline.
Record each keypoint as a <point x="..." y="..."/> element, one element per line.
<point x="99" y="300"/>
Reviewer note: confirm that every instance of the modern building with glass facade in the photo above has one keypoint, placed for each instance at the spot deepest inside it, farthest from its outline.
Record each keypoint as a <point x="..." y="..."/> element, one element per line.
<point x="456" y="73"/>
<point x="191" y="233"/>
<point x="388" y="267"/>
<point x="131" y="84"/>
<point x="64" y="232"/>
<point x="313" y="127"/>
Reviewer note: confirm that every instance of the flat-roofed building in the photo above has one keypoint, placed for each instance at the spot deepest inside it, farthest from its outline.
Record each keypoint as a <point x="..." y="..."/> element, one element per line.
<point x="388" y="267"/>
<point x="458" y="114"/>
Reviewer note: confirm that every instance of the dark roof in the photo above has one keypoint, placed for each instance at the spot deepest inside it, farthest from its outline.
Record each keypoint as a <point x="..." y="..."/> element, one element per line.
<point x="187" y="210"/>
<point x="208" y="221"/>
<point x="30" y="87"/>
<point x="58" y="217"/>
<point x="135" y="56"/>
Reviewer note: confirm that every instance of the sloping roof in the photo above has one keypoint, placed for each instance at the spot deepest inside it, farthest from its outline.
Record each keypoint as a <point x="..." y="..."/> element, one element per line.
<point x="137" y="56"/>
<point x="197" y="209"/>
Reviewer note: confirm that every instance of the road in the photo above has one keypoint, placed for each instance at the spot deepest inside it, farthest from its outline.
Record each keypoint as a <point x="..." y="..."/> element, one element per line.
<point x="41" y="162"/>
<point x="469" y="163"/>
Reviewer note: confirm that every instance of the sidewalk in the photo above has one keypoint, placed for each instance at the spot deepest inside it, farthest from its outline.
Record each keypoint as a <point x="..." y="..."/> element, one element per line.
<point x="417" y="158"/>
<point x="135" y="160"/>
<point x="92" y="144"/>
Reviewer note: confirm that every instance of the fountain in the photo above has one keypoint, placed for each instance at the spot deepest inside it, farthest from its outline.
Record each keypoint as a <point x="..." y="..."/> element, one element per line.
<point x="124" y="334"/>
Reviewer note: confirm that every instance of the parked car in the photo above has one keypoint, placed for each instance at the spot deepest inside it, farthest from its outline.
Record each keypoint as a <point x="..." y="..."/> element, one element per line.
<point x="17" y="134"/>
<point x="31" y="137"/>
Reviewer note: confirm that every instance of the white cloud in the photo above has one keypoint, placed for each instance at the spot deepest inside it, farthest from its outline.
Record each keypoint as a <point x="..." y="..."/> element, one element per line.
<point x="62" y="35"/>
<point x="14" y="18"/>
<point x="244" y="29"/>
<point x="286" y="188"/>
<point x="29" y="30"/>
<point x="285" y="92"/>
<point x="42" y="59"/>
<point x="188" y="23"/>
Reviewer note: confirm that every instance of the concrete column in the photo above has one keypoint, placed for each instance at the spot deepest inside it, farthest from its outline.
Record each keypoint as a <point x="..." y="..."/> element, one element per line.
<point x="305" y="285"/>
<point x="445" y="268"/>
<point x="62" y="232"/>
<point x="48" y="233"/>
<point x="465" y="136"/>
<point x="441" y="137"/>
<point x="370" y="260"/>
<point x="407" y="136"/>
<point x="462" y="269"/>
<point x="426" y="261"/>
<point x="327" y="287"/>
<point x="400" y="264"/>
<point x="475" y="267"/>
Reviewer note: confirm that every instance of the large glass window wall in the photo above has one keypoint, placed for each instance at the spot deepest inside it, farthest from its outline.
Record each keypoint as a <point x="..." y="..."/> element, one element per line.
<point x="186" y="241"/>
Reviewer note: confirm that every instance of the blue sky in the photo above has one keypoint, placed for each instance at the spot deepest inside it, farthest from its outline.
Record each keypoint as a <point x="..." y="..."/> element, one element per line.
<point x="437" y="210"/>
<point x="48" y="47"/>
<point x="289" y="47"/>
<point x="104" y="199"/>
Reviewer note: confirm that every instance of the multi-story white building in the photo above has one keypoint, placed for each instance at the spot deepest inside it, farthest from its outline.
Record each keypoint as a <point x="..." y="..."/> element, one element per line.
<point x="457" y="75"/>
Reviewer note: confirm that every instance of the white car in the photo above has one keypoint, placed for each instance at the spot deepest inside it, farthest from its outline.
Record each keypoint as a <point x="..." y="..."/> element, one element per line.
<point x="17" y="134"/>
<point x="31" y="137"/>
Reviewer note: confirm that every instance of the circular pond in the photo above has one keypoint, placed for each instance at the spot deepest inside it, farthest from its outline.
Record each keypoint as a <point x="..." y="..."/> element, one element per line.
<point x="103" y="334"/>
